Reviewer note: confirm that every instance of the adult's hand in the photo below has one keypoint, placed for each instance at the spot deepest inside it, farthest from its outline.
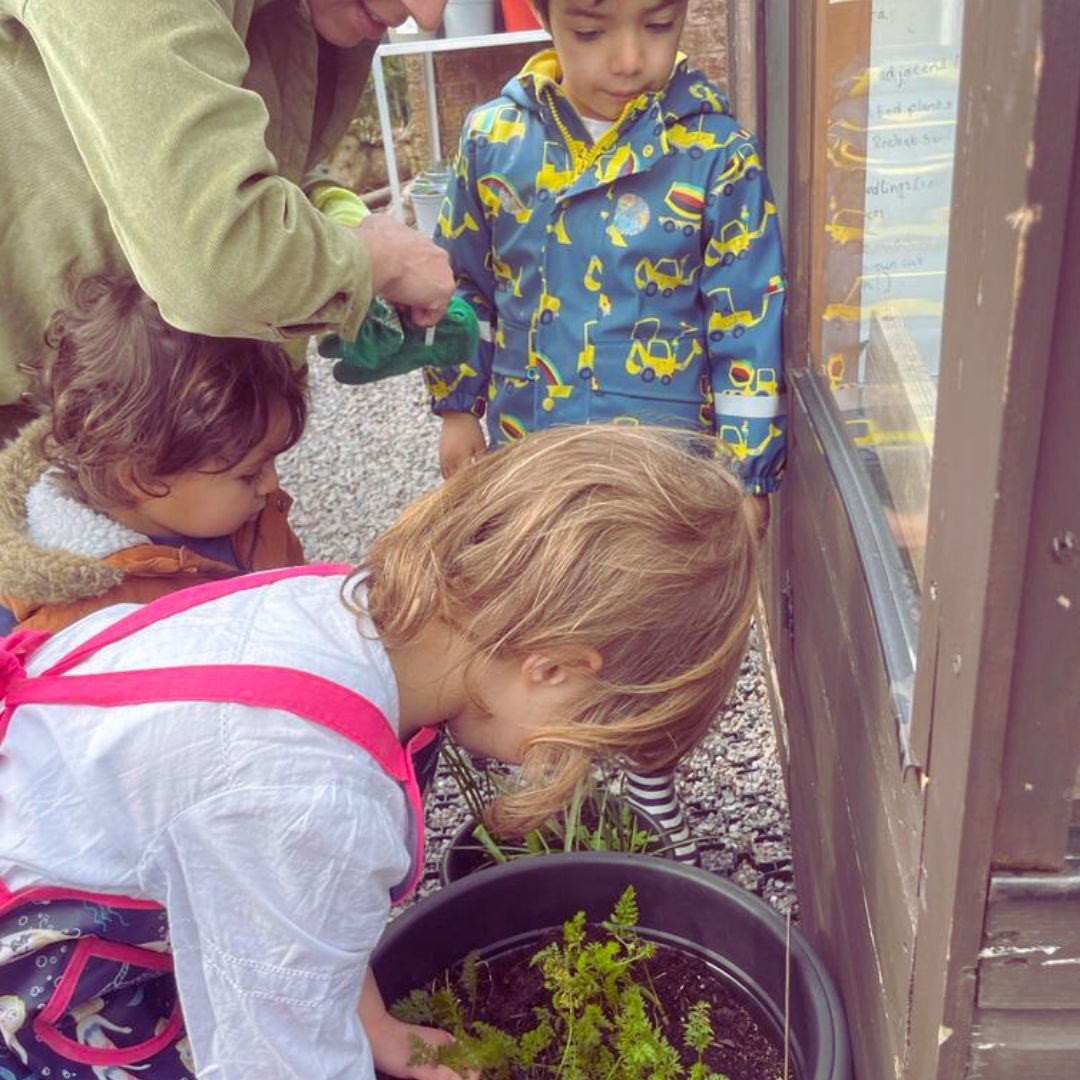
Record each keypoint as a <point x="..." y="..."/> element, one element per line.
<point x="407" y="269"/>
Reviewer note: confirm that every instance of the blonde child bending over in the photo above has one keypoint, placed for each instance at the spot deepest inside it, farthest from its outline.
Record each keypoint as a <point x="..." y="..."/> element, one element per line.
<point x="153" y="468"/>
<point x="250" y="806"/>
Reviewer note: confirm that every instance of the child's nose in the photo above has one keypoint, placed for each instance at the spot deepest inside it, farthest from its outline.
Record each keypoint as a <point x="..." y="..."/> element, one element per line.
<point x="628" y="56"/>
<point x="268" y="479"/>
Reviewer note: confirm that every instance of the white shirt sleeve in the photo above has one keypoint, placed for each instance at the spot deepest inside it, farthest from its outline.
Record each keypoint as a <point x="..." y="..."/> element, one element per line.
<point x="276" y="897"/>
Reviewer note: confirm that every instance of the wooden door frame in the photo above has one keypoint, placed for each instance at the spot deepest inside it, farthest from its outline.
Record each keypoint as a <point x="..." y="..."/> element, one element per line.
<point x="1020" y="82"/>
<point x="1019" y="87"/>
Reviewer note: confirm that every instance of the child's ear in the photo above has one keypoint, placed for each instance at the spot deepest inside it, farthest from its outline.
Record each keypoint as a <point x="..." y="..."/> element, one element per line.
<point x="544" y="670"/>
<point x="125" y="477"/>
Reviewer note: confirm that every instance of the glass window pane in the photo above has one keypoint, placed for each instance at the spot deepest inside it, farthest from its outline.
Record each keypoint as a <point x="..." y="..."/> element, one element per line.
<point x="892" y="70"/>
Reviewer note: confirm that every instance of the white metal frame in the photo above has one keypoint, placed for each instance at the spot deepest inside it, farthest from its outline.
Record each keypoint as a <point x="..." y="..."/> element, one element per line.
<point x="426" y="48"/>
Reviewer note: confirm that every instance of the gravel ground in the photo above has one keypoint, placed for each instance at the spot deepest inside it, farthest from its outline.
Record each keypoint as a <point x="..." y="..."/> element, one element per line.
<point x="367" y="452"/>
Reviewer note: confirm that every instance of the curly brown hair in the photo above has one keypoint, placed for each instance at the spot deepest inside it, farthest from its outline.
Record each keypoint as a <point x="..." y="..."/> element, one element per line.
<point x="134" y="401"/>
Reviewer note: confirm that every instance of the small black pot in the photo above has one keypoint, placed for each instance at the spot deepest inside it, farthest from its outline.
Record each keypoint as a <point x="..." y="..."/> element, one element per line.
<point x="698" y="912"/>
<point x="465" y="854"/>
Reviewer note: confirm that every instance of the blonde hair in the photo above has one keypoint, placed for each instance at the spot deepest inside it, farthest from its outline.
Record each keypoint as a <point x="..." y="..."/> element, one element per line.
<point x="628" y="540"/>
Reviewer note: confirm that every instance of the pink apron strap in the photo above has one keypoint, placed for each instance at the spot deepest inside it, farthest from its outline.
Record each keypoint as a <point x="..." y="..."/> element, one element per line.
<point x="185" y="599"/>
<point x="40" y="893"/>
<point x="15" y="649"/>
<point x="302" y="693"/>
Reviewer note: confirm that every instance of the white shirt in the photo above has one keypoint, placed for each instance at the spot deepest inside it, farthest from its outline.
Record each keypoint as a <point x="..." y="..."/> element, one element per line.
<point x="271" y="841"/>
<point x="597" y="129"/>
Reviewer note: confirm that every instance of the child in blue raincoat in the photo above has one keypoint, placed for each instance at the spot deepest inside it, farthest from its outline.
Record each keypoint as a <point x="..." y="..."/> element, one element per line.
<point x="613" y="227"/>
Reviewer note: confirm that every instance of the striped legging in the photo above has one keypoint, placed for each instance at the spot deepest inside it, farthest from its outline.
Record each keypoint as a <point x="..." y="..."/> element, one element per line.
<point x="655" y="794"/>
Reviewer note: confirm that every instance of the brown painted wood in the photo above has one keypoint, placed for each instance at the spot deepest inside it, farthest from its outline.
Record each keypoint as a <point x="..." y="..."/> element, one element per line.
<point x="800" y="236"/>
<point x="1023" y="925"/>
<point x="1030" y="957"/>
<point x="1018" y="79"/>
<point x="1031" y="1045"/>
<point x="1042" y="743"/>
<point x="1036" y="981"/>
<point x="851" y="707"/>
<point x="855" y="820"/>
<point x="746" y="52"/>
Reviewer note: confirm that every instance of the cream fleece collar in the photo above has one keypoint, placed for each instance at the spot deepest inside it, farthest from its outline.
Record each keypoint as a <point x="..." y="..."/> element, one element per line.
<point x="34" y="574"/>
<point x="56" y="520"/>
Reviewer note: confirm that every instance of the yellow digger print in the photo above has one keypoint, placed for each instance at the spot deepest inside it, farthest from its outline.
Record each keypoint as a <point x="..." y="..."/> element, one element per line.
<point x="686" y="203"/>
<point x="750" y="380"/>
<point x="654" y="357"/>
<point x="504" y="276"/>
<point x="695" y="141"/>
<point x="446" y="227"/>
<point x="665" y="275"/>
<point x="745" y="161"/>
<point x="727" y="319"/>
<point x="593" y="273"/>
<point x="551" y="177"/>
<point x="498" y="124"/>
<point x="705" y="93"/>
<point x="438" y="387"/>
<point x="736" y="238"/>
<point x="586" y="361"/>
<point x="734" y="437"/>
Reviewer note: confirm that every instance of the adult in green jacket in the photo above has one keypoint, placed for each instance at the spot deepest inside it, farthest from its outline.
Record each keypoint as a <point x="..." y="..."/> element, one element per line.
<point x="173" y="140"/>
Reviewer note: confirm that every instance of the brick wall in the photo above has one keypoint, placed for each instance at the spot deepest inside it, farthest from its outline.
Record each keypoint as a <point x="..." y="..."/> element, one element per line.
<point x="463" y="80"/>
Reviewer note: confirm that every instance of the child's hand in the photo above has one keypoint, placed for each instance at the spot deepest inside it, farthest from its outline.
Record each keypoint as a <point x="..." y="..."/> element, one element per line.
<point x="462" y="440"/>
<point x="393" y="1052"/>
<point x="390" y="1039"/>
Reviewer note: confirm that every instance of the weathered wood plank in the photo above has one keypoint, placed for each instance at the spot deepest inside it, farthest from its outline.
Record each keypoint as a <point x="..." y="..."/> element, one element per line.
<point x="1030" y="957"/>
<point x="1029" y="1044"/>
<point x="1043" y="977"/>
<point x="855" y="822"/>
<point x="1042" y="742"/>
<point x="1016" y="123"/>
<point x="832" y="910"/>
<point x="1033" y="924"/>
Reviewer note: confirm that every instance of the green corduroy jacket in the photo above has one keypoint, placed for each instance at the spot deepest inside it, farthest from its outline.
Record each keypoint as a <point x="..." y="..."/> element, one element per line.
<point x="172" y="140"/>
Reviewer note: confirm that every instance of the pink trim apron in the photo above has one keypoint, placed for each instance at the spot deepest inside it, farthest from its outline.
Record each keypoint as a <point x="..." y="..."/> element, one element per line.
<point x="86" y="987"/>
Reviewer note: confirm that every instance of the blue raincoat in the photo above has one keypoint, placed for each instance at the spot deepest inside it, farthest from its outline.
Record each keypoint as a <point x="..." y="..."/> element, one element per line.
<point x="637" y="280"/>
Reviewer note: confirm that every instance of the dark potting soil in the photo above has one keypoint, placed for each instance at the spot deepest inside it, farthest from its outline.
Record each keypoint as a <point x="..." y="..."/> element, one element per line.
<point x="510" y="987"/>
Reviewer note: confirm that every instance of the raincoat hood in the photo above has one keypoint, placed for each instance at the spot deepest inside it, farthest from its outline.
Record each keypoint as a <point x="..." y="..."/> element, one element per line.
<point x="687" y="94"/>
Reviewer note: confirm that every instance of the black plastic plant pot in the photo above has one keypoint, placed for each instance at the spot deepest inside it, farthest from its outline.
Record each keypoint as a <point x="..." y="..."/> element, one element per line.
<point x="692" y="910"/>
<point x="465" y="854"/>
